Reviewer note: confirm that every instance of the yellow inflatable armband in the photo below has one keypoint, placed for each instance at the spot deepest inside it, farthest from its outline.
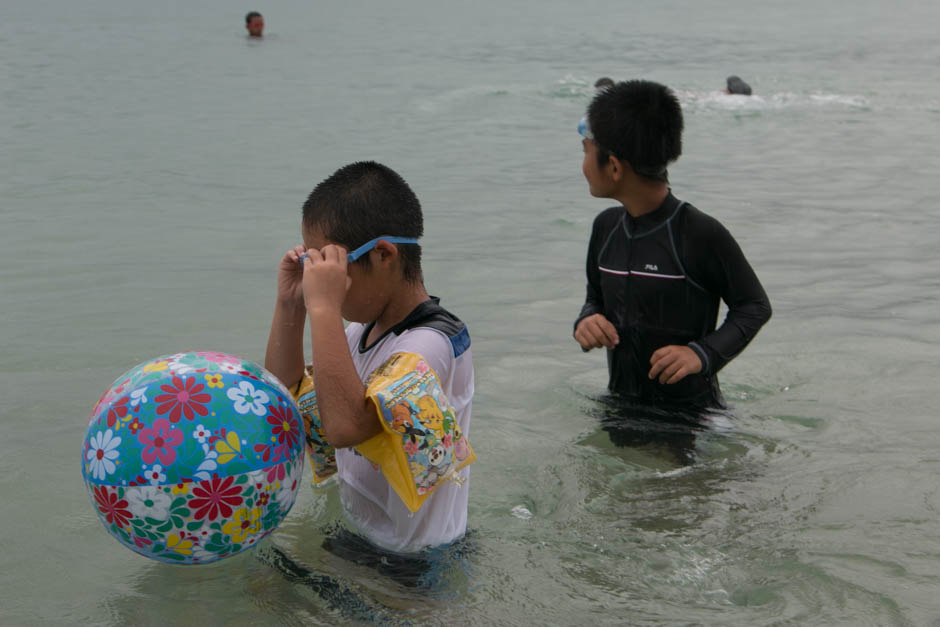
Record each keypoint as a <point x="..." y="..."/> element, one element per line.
<point x="421" y="445"/>
<point x="321" y="453"/>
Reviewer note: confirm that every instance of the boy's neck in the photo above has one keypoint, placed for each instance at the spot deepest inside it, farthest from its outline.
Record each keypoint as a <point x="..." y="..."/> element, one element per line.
<point x="398" y="308"/>
<point x="640" y="196"/>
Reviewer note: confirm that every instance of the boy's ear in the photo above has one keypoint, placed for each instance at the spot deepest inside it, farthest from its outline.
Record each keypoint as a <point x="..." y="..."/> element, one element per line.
<point x="386" y="251"/>
<point x="617" y="168"/>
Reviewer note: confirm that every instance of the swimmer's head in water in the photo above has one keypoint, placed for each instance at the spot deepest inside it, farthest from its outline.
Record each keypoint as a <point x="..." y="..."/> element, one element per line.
<point x="364" y="201"/>
<point x="603" y="83"/>
<point x="639" y="122"/>
<point x="254" y="23"/>
<point x="737" y="86"/>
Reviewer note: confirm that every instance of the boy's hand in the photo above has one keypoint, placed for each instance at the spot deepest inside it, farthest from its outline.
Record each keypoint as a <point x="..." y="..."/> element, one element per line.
<point x="325" y="280"/>
<point x="674" y="363"/>
<point x="290" y="276"/>
<point x="596" y="331"/>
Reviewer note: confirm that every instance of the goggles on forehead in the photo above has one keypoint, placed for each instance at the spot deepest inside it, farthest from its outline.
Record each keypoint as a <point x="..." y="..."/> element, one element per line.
<point x="359" y="252"/>
<point x="584" y="129"/>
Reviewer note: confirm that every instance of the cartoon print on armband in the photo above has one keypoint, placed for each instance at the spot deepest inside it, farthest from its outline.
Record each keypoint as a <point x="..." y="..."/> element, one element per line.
<point x="431" y="415"/>
<point x="401" y="417"/>
<point x="461" y="447"/>
<point x="436" y="455"/>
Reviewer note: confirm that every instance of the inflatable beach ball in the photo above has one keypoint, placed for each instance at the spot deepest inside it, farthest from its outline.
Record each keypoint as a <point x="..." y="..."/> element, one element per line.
<point x="193" y="457"/>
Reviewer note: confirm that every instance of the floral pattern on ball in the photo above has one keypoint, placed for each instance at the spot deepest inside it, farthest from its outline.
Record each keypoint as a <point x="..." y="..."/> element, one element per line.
<point x="192" y="457"/>
<point x="197" y="522"/>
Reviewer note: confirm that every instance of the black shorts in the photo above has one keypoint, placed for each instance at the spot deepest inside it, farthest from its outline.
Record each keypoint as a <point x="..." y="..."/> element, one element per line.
<point x="426" y="569"/>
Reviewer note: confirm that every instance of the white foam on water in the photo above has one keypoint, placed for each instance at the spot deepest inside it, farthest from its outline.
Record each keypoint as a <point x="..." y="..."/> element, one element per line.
<point x="720" y="101"/>
<point x="675" y="472"/>
<point x="840" y="99"/>
<point x="521" y="512"/>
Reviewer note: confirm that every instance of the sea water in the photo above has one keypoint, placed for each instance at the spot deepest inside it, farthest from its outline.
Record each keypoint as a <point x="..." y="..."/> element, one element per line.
<point x="154" y="161"/>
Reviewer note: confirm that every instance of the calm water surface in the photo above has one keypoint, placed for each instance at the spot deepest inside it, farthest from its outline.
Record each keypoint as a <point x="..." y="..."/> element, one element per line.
<point x="153" y="165"/>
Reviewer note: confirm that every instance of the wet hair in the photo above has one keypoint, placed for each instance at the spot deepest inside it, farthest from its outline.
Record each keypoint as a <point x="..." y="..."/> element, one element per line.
<point x="362" y="201"/>
<point x="603" y="83"/>
<point x="250" y="16"/>
<point x="737" y="86"/>
<point x="639" y="122"/>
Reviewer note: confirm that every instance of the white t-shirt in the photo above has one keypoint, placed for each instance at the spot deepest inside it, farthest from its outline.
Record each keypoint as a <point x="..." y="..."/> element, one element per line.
<point x="368" y="500"/>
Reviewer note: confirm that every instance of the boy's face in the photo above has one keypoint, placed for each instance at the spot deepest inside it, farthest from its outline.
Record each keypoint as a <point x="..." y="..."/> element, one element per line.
<point x="255" y="26"/>
<point x="368" y="292"/>
<point x="598" y="177"/>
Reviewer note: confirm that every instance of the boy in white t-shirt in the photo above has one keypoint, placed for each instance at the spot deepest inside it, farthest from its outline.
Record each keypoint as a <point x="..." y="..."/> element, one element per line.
<point x="368" y="209"/>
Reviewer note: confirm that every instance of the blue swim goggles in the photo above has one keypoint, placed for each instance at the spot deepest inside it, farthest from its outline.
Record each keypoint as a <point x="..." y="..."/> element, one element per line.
<point x="584" y="130"/>
<point x="359" y="252"/>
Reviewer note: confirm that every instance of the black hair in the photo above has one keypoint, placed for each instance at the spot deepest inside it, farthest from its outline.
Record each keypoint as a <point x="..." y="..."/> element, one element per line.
<point x="737" y="86"/>
<point x="365" y="200"/>
<point x="603" y="83"/>
<point x="639" y="122"/>
<point x="251" y="15"/>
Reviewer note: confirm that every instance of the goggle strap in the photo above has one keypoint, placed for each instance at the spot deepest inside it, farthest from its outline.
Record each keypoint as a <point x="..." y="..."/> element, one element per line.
<point x="392" y="239"/>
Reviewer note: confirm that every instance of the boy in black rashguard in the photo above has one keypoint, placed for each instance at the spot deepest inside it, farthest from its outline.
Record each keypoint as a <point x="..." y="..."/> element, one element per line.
<point x="657" y="266"/>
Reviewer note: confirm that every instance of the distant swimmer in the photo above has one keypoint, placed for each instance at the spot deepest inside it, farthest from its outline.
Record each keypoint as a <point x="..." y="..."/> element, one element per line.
<point x="254" y="23"/>
<point x="603" y="83"/>
<point x="737" y="87"/>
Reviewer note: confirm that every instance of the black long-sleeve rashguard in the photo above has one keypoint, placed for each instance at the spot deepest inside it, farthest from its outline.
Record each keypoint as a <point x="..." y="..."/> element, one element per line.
<point x="658" y="279"/>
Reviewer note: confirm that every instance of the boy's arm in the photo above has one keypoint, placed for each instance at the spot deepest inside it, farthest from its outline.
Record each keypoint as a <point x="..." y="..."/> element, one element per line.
<point x="594" y="299"/>
<point x="731" y="276"/>
<point x="284" y="357"/>
<point x="591" y="328"/>
<point x="348" y="417"/>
